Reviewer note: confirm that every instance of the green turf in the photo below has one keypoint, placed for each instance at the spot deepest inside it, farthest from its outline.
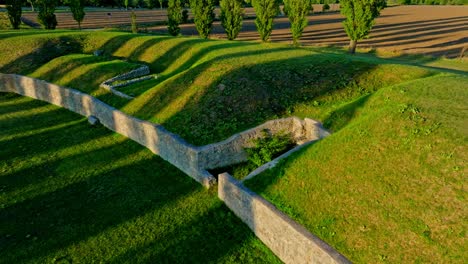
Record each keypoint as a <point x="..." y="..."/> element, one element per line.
<point x="71" y="193"/>
<point x="5" y="22"/>
<point x="85" y="73"/>
<point x="207" y="90"/>
<point x="389" y="186"/>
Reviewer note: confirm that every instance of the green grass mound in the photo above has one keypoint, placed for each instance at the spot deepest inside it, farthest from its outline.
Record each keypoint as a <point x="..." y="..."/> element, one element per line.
<point x="208" y="90"/>
<point x="390" y="186"/>
<point x="85" y="73"/>
<point x="71" y="193"/>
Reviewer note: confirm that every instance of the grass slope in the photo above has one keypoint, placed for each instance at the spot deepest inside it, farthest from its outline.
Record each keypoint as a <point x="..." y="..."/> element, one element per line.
<point x="73" y="193"/>
<point x="387" y="186"/>
<point x="208" y="90"/>
<point x="390" y="185"/>
<point x="85" y="73"/>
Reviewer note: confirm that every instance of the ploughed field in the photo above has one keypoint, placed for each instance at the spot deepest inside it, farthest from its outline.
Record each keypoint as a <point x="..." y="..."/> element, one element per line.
<point x="431" y="30"/>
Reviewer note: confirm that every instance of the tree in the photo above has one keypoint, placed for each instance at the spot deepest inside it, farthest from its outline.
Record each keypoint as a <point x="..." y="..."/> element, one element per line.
<point x="14" y="12"/>
<point x="134" y="23"/>
<point x="297" y="11"/>
<point x="77" y="9"/>
<point x="231" y="17"/>
<point x="174" y="17"/>
<point x="46" y="14"/>
<point x="203" y="12"/>
<point x="360" y="17"/>
<point x="160" y="4"/>
<point x="266" y="11"/>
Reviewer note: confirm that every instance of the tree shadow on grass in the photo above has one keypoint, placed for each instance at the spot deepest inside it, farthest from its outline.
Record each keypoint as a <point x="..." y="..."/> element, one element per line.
<point x="254" y="94"/>
<point x="207" y="239"/>
<point x="96" y="204"/>
<point x="46" y="51"/>
<point x="174" y="88"/>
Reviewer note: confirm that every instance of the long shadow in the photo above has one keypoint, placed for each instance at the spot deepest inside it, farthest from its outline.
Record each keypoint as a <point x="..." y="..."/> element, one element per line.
<point x="72" y="64"/>
<point x="12" y="34"/>
<point x="114" y="43"/>
<point x="84" y="209"/>
<point x="88" y="199"/>
<point x="173" y="54"/>
<point x="376" y="31"/>
<point x="167" y="92"/>
<point x="32" y="122"/>
<point x="46" y="51"/>
<point x="198" y="56"/>
<point x="103" y="193"/>
<point x="23" y="105"/>
<point x="422" y="33"/>
<point x="217" y="114"/>
<point x="339" y="118"/>
<point x="152" y="41"/>
<point x="207" y="238"/>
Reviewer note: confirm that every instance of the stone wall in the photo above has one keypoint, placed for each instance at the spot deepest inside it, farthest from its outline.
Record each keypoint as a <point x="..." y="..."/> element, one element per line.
<point x="135" y="77"/>
<point x="231" y="150"/>
<point x="160" y="141"/>
<point x="192" y="160"/>
<point x="291" y="242"/>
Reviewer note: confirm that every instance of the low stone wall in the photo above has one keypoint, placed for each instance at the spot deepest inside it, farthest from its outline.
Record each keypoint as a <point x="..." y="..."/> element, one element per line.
<point x="231" y="150"/>
<point x="134" y="75"/>
<point x="192" y="160"/>
<point x="160" y="141"/>
<point x="291" y="242"/>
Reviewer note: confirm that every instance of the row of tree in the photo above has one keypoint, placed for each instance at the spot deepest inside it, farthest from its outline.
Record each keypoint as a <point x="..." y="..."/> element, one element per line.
<point x="360" y="16"/>
<point x="46" y="12"/>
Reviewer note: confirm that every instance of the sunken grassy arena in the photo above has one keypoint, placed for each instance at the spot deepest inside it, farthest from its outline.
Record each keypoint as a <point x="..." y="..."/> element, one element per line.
<point x="388" y="185"/>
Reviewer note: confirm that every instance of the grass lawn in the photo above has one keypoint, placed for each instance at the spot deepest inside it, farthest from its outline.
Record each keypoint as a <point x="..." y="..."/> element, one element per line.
<point x="74" y="193"/>
<point x="206" y="90"/>
<point x="389" y="186"/>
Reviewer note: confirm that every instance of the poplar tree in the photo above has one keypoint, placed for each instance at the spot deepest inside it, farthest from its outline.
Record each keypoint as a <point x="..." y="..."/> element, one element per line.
<point x="231" y="17"/>
<point x="174" y="17"/>
<point x="203" y="13"/>
<point x="77" y="9"/>
<point x="360" y="17"/>
<point x="297" y="11"/>
<point x="265" y="11"/>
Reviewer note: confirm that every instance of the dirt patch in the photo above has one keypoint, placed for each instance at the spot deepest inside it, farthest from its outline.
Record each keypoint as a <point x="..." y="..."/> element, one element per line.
<point x="429" y="30"/>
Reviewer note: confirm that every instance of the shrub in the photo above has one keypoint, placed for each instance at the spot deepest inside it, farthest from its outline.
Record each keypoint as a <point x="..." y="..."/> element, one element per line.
<point x="203" y="12"/>
<point x="231" y="17"/>
<point x="14" y="12"/>
<point x="266" y="148"/>
<point x="46" y="14"/>
<point x="297" y="11"/>
<point x="325" y="7"/>
<point x="266" y="11"/>
<point x="174" y="15"/>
